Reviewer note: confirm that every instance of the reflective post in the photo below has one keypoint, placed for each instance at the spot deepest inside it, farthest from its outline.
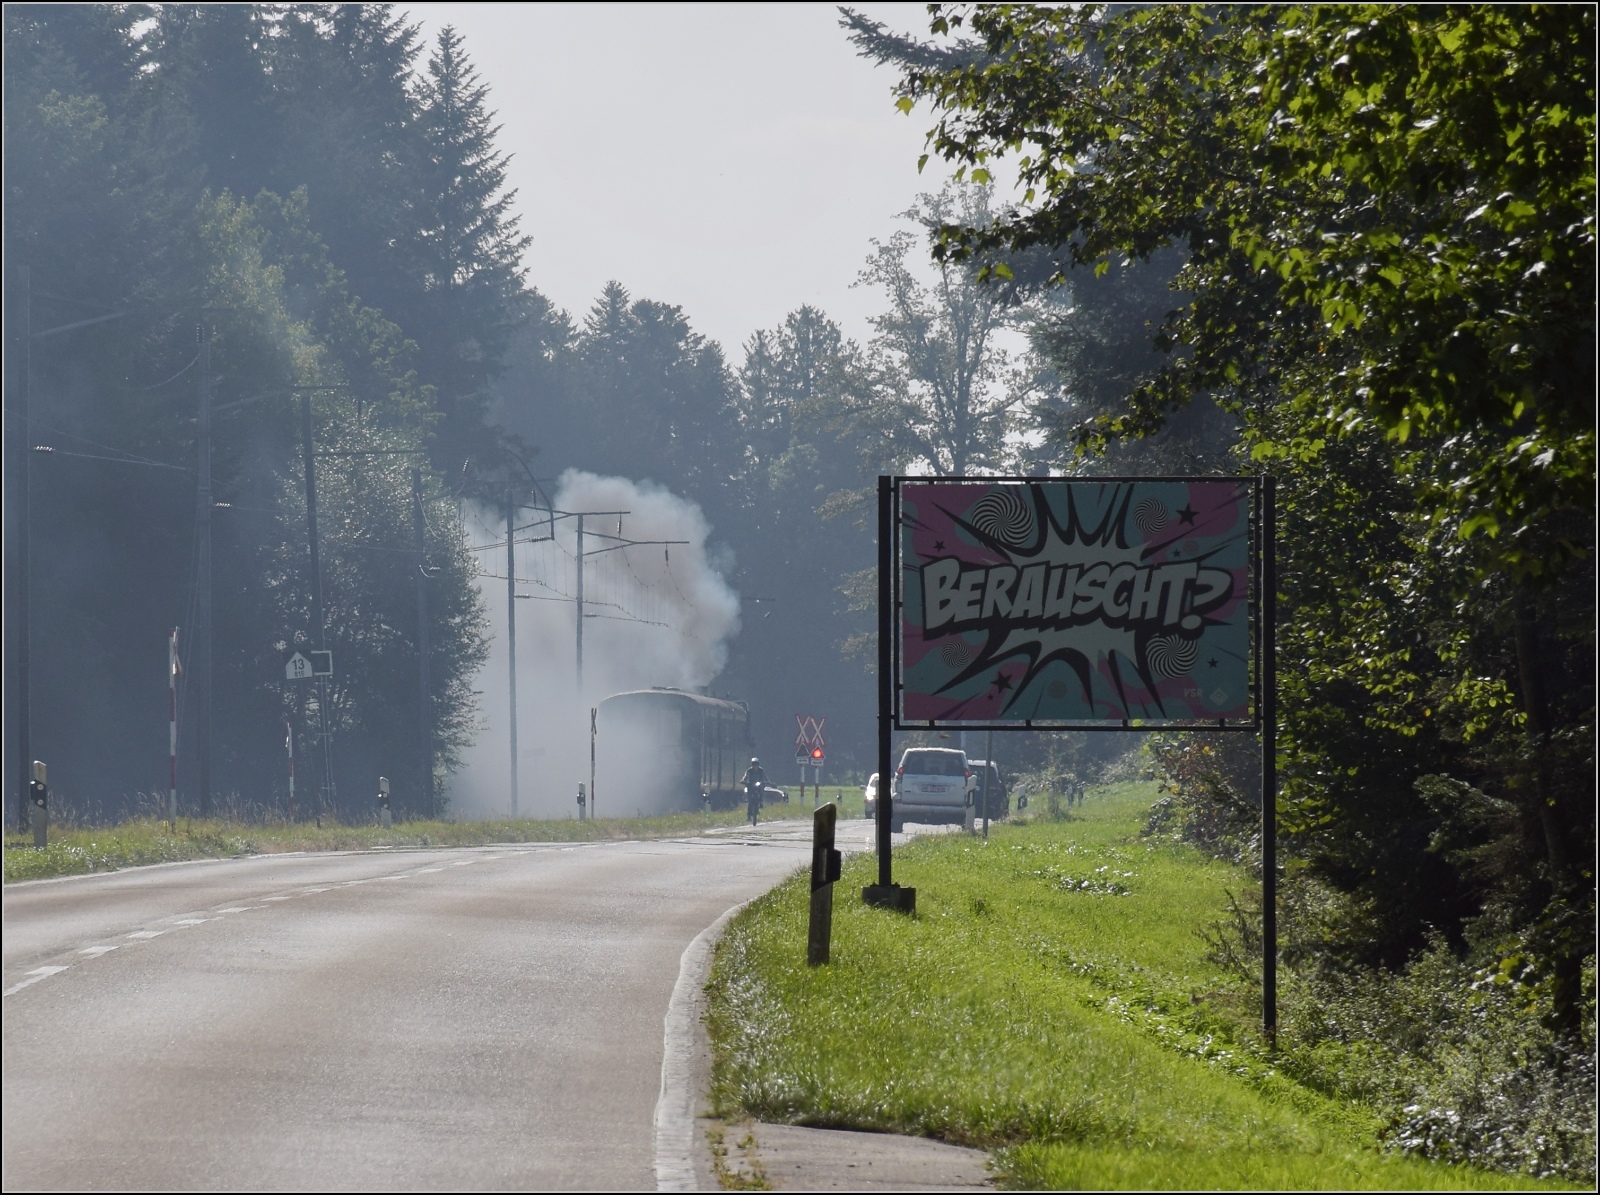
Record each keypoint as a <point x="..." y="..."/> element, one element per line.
<point x="825" y="864"/>
<point x="39" y="798"/>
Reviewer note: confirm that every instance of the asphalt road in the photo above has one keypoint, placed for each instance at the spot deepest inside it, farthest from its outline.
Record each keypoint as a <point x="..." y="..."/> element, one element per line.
<point x="477" y="1018"/>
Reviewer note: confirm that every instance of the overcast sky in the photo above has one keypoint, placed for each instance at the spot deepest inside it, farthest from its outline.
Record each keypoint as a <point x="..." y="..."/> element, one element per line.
<point x="732" y="159"/>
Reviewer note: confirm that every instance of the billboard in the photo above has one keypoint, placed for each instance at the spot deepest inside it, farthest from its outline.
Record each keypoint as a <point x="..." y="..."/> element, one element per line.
<point x="1103" y="603"/>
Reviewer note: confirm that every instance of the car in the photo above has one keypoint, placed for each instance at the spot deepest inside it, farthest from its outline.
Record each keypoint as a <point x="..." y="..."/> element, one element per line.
<point x="999" y="798"/>
<point x="869" y="797"/>
<point x="931" y="785"/>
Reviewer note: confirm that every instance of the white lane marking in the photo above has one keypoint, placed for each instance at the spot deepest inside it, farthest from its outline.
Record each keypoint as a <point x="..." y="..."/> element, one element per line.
<point x="193" y="921"/>
<point x="674" y="1119"/>
<point x="277" y="898"/>
<point x="463" y="863"/>
<point x="34" y="977"/>
<point x="96" y="951"/>
<point x="145" y="933"/>
<point x="234" y="909"/>
<point x="427" y="870"/>
<point x="309" y="891"/>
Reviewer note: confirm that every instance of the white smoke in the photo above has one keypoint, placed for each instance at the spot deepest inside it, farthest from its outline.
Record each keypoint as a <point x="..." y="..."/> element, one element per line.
<point x="659" y="614"/>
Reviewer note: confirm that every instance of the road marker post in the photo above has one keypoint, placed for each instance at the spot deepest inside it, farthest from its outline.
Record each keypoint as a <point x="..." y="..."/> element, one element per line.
<point x="39" y="814"/>
<point x="385" y="813"/>
<point x="825" y="864"/>
<point x="582" y="802"/>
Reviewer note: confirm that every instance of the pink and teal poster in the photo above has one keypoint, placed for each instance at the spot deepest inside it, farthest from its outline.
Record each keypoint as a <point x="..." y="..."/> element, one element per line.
<point x="1079" y="603"/>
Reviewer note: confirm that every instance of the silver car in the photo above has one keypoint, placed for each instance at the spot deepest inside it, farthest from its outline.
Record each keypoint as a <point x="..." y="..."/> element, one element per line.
<point x="931" y="785"/>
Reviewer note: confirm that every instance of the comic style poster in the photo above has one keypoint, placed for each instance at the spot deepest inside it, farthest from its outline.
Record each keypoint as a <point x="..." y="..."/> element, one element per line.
<point x="1081" y="603"/>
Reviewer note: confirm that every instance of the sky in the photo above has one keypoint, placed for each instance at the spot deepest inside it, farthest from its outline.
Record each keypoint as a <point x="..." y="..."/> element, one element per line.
<point x="732" y="159"/>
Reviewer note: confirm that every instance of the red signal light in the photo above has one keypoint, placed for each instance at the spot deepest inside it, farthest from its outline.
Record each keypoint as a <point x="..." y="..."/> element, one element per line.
<point x="817" y="754"/>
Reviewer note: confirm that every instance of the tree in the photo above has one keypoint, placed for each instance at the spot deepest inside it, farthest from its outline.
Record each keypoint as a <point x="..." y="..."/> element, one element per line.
<point x="1386" y="217"/>
<point x="465" y="249"/>
<point x="940" y="400"/>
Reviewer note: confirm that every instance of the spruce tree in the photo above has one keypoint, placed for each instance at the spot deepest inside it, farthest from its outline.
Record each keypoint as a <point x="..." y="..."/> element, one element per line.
<point x="466" y="250"/>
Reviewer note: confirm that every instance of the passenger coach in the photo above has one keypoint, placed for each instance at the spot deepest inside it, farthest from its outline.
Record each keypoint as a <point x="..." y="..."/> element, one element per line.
<point x="666" y="751"/>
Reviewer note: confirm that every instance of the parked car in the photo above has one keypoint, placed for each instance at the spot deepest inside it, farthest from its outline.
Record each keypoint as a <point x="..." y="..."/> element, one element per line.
<point x="869" y="797"/>
<point x="931" y="785"/>
<point x="999" y="798"/>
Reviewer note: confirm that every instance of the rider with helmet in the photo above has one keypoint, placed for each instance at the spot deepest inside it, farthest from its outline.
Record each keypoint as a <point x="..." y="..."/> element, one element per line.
<point x="755" y="786"/>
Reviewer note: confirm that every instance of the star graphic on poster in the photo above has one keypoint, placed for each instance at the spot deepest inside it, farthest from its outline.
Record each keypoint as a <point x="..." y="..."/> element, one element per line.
<point x="1187" y="514"/>
<point x="1211" y="663"/>
<point x="1002" y="682"/>
<point x="938" y="545"/>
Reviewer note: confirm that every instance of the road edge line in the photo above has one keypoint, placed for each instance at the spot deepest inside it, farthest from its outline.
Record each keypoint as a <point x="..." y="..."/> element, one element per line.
<point x="675" y="1111"/>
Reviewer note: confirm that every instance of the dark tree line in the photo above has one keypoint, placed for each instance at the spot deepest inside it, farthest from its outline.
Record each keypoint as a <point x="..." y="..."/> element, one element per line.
<point x="320" y="202"/>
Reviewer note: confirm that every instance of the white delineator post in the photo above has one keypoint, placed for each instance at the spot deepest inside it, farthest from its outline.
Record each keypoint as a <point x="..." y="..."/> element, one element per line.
<point x="173" y="668"/>
<point x="288" y="742"/>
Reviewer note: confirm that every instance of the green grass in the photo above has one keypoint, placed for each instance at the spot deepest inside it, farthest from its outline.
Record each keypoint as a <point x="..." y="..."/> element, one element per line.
<point x="1050" y="1001"/>
<point x="147" y="840"/>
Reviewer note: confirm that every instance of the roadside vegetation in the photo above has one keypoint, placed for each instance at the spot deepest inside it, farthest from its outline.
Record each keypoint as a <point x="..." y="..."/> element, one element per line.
<point x="1060" y="999"/>
<point x="148" y="840"/>
<point x="77" y="850"/>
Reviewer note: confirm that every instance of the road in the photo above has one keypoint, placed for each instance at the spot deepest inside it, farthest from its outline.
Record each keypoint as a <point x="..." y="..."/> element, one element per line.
<point x="472" y="1018"/>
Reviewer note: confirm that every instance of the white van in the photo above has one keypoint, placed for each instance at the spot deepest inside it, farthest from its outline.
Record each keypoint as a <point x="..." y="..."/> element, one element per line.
<point x="931" y="785"/>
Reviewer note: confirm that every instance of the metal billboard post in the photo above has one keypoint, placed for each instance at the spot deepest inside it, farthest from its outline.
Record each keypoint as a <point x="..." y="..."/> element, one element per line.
<point x="886" y="893"/>
<point x="1267" y="703"/>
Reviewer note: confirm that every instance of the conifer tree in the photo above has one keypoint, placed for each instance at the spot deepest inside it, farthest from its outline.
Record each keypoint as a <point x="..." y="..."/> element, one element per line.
<point x="465" y="255"/>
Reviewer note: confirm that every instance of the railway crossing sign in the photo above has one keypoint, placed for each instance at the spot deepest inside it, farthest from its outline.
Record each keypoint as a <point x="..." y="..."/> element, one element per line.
<point x="810" y="751"/>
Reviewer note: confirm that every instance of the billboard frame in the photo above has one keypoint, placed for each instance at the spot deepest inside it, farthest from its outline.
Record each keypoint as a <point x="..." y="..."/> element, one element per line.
<point x="1252" y="724"/>
<point x="1262" y="606"/>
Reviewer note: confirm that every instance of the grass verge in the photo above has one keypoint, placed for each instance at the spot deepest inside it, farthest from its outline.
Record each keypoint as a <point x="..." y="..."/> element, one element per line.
<point x="1050" y="1001"/>
<point x="147" y="840"/>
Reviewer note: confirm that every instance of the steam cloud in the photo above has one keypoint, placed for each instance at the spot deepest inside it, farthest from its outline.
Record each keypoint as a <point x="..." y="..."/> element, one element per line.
<point x="658" y="615"/>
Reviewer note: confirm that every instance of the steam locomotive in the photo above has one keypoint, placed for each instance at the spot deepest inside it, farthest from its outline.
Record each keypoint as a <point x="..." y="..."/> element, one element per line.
<point x="664" y="750"/>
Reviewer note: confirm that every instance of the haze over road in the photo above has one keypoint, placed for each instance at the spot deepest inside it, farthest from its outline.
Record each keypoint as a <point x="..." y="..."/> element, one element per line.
<point x="479" y="1018"/>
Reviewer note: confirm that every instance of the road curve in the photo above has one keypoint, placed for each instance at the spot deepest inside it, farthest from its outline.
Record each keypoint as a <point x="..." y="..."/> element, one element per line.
<point x="475" y="1018"/>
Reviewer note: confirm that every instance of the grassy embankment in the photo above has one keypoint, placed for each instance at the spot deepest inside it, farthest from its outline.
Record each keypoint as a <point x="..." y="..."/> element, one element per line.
<point x="1050" y="1001"/>
<point x="147" y="840"/>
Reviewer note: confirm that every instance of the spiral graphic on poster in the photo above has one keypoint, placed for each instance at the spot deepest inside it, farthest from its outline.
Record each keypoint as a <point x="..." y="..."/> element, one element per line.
<point x="1150" y="516"/>
<point x="1004" y="516"/>
<point x="955" y="654"/>
<point x="1169" y="655"/>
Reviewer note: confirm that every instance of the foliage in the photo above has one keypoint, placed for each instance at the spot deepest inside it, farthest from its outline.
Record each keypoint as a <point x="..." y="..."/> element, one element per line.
<point x="940" y="400"/>
<point x="1081" y="1021"/>
<point x="1387" y="214"/>
<point x="1382" y="222"/>
<point x="1457" y="1052"/>
<point x="281" y="178"/>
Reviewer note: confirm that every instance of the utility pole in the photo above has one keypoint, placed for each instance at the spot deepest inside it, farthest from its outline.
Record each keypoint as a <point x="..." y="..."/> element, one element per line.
<point x="511" y="628"/>
<point x="309" y="448"/>
<point x="583" y="554"/>
<point x="19" y="571"/>
<point x="425" y="690"/>
<point x="203" y="576"/>
<point x="579" y="605"/>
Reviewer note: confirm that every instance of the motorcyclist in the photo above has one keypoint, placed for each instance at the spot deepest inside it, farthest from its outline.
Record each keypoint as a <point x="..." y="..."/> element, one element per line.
<point x="755" y="787"/>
